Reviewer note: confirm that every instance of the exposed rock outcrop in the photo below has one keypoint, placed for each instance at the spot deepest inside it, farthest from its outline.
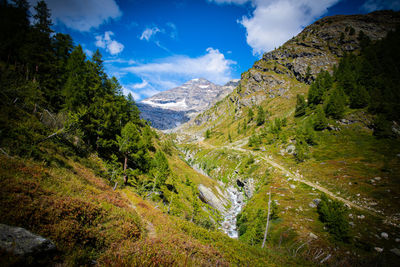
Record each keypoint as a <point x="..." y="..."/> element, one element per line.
<point x="208" y="196"/>
<point x="21" y="243"/>
<point x="318" y="47"/>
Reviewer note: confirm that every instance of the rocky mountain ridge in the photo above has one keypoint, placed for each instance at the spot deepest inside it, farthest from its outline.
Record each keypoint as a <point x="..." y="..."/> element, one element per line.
<point x="171" y="108"/>
<point x="297" y="62"/>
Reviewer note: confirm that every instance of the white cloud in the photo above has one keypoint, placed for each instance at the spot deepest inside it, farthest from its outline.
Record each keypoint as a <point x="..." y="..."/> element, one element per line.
<point x="274" y="22"/>
<point x="140" y="85"/>
<point x="372" y="5"/>
<point x="88" y="52"/>
<point x="139" y="90"/>
<point x="149" y="92"/>
<point x="170" y="72"/>
<point x="212" y="66"/>
<point x="148" y="33"/>
<point x="82" y="15"/>
<point x="126" y="91"/>
<point x="105" y="41"/>
<point x="115" y="48"/>
<point x="237" y="2"/>
<point x="120" y="60"/>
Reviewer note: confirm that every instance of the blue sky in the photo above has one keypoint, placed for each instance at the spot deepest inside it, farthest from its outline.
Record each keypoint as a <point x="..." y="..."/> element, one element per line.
<point x="152" y="46"/>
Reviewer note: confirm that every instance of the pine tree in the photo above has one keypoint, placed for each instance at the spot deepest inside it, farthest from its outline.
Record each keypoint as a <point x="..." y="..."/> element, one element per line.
<point x="320" y="122"/>
<point x="359" y="97"/>
<point x="260" y="116"/>
<point x="322" y="83"/>
<point x="128" y="144"/>
<point x="75" y="88"/>
<point x="160" y="169"/>
<point x="42" y="17"/>
<point x="300" y="106"/>
<point x="335" y="106"/>
<point x="250" y="115"/>
<point x="207" y="134"/>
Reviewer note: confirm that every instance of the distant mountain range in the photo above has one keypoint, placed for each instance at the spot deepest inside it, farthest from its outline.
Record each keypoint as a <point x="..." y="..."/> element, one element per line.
<point x="171" y="108"/>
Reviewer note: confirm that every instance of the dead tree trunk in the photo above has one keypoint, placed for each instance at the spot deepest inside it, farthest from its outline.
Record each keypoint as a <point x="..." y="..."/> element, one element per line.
<point x="50" y="136"/>
<point x="125" y="165"/>
<point x="266" y="227"/>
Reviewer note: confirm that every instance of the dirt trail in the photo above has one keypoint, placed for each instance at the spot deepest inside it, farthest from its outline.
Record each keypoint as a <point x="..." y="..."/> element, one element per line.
<point x="297" y="177"/>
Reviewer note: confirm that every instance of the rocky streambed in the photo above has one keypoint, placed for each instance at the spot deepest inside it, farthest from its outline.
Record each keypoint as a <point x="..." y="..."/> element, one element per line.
<point x="236" y="198"/>
<point x="229" y="201"/>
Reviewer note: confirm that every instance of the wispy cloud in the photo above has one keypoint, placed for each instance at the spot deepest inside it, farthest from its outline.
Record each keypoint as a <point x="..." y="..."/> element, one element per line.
<point x="140" y="85"/>
<point x="105" y="41"/>
<point x="148" y="33"/>
<point x="120" y="60"/>
<point x="173" y="33"/>
<point x="82" y="15"/>
<point x="372" y="5"/>
<point x="126" y="91"/>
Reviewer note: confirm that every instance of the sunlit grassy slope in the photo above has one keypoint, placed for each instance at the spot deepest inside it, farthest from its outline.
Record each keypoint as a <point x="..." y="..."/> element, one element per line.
<point x="63" y="198"/>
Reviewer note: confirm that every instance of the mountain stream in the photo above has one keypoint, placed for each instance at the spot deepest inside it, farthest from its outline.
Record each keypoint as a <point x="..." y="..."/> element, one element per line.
<point x="232" y="194"/>
<point x="237" y="202"/>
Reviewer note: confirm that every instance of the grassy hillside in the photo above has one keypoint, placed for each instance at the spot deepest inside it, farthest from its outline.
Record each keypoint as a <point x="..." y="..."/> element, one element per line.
<point x="353" y="157"/>
<point x="65" y="200"/>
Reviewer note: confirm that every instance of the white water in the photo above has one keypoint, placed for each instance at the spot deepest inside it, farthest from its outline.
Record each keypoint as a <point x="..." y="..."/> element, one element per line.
<point x="237" y="202"/>
<point x="232" y="194"/>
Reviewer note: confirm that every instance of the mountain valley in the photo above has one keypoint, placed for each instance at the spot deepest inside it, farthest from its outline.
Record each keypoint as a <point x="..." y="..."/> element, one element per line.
<point x="295" y="164"/>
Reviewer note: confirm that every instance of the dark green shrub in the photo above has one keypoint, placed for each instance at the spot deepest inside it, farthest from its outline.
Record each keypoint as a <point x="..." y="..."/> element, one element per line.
<point x="334" y="216"/>
<point x="320" y="122"/>
<point x="300" y="106"/>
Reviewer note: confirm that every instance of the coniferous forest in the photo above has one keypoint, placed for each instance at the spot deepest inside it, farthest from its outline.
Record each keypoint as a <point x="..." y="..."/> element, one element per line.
<point x="50" y="89"/>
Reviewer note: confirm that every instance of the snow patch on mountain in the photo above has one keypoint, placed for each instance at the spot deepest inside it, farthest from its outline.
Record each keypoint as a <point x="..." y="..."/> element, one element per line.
<point x="171" y="108"/>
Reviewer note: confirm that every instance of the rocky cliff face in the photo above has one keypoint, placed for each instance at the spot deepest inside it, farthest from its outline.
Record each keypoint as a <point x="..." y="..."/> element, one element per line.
<point x="283" y="71"/>
<point x="169" y="109"/>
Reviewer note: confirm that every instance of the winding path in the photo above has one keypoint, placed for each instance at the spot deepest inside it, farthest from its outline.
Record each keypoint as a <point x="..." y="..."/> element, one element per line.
<point x="296" y="177"/>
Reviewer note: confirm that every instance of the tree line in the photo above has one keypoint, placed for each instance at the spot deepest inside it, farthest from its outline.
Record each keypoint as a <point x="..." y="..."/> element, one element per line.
<point x="43" y="74"/>
<point x="369" y="80"/>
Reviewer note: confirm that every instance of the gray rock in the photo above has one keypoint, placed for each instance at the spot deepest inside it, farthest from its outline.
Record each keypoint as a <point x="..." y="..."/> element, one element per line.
<point x="290" y="149"/>
<point x="317" y="201"/>
<point x="208" y="197"/>
<point x="396" y="251"/>
<point x="313" y="236"/>
<point x="312" y="205"/>
<point x="21" y="242"/>
<point x="384" y="235"/>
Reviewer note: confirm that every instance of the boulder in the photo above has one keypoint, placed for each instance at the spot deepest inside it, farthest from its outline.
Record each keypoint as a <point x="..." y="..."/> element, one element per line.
<point x="384" y="235"/>
<point x="313" y="236"/>
<point x="20" y="242"/>
<point x="207" y="196"/>
<point x="290" y="149"/>
<point x="316" y="201"/>
<point x="312" y="205"/>
<point x="396" y="251"/>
